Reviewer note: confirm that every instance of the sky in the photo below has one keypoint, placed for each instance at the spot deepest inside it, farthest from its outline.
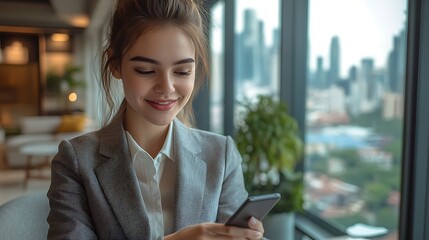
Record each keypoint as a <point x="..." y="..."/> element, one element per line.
<point x="365" y="27"/>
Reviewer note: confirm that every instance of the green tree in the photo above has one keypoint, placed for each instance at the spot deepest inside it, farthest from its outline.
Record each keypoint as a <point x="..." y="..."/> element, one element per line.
<point x="361" y="174"/>
<point x="316" y="163"/>
<point x="387" y="217"/>
<point x="349" y="156"/>
<point x="376" y="195"/>
<point x="395" y="148"/>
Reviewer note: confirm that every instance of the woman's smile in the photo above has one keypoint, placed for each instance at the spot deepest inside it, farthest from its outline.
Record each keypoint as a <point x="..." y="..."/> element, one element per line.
<point x="162" y="105"/>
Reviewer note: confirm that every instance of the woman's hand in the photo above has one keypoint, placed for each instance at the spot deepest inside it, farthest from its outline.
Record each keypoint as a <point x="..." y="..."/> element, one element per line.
<point x="219" y="231"/>
<point x="256" y="225"/>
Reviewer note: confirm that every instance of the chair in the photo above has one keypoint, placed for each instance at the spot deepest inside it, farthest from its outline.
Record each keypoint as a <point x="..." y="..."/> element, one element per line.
<point x="25" y="217"/>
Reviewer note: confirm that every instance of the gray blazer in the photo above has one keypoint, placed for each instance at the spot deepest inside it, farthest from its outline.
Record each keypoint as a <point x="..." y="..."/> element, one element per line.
<point x="95" y="192"/>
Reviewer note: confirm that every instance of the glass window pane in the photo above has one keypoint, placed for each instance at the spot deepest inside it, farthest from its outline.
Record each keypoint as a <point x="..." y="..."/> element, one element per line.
<point x="257" y="47"/>
<point x="354" y="112"/>
<point x="217" y="71"/>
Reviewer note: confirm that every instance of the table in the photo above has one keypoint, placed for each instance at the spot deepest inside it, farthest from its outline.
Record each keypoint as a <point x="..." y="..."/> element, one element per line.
<point x="44" y="150"/>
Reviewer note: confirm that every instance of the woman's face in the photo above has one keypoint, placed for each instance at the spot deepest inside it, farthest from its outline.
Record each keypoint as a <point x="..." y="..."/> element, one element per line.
<point x="158" y="74"/>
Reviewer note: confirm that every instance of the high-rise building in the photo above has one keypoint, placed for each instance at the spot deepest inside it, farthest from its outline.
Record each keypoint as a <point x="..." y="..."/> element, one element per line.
<point x="334" y="67"/>
<point x="319" y="78"/>
<point x="255" y="59"/>
<point x="367" y="74"/>
<point x="396" y="63"/>
<point x="260" y="59"/>
<point x="393" y="105"/>
<point x="250" y="45"/>
<point x="352" y="74"/>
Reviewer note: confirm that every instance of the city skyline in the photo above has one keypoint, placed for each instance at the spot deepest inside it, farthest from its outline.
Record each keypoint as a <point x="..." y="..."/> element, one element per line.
<point x="252" y="44"/>
<point x="364" y="30"/>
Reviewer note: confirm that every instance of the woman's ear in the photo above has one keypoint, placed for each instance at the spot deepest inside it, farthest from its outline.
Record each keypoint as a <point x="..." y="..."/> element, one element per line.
<point x="114" y="66"/>
<point x="116" y="73"/>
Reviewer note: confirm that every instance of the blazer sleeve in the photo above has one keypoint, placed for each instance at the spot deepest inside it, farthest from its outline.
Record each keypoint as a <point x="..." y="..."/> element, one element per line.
<point x="233" y="190"/>
<point x="69" y="217"/>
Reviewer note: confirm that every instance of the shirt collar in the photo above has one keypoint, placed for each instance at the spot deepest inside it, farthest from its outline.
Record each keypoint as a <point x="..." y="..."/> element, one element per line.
<point x="166" y="150"/>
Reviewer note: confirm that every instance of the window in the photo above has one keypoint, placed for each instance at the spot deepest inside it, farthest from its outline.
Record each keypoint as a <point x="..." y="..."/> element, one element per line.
<point x="355" y="112"/>
<point x="257" y="50"/>
<point x="338" y="142"/>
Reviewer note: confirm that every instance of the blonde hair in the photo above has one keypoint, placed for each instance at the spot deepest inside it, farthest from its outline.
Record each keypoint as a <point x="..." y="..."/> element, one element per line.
<point x="132" y="18"/>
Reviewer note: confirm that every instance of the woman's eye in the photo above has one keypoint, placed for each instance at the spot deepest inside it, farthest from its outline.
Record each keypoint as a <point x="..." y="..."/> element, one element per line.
<point x="145" y="72"/>
<point x="183" y="73"/>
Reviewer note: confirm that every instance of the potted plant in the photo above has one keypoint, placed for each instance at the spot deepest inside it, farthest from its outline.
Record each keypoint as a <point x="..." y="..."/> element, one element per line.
<point x="57" y="83"/>
<point x="61" y="87"/>
<point x="268" y="140"/>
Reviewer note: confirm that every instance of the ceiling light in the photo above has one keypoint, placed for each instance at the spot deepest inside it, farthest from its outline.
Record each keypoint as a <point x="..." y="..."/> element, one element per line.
<point x="60" y="37"/>
<point x="80" y="21"/>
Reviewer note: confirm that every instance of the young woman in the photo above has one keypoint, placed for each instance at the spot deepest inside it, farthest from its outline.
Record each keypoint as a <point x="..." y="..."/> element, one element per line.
<point x="147" y="174"/>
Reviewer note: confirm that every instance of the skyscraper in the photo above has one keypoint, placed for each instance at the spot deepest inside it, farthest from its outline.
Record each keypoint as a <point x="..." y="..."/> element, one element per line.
<point x="367" y="73"/>
<point x="352" y="73"/>
<point x="396" y="63"/>
<point x="320" y="81"/>
<point x="250" y="47"/>
<point x="334" y="67"/>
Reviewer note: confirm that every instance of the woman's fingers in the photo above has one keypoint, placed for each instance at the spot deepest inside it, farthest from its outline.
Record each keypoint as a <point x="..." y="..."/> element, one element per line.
<point x="256" y="225"/>
<point x="217" y="231"/>
<point x="247" y="233"/>
<point x="231" y="232"/>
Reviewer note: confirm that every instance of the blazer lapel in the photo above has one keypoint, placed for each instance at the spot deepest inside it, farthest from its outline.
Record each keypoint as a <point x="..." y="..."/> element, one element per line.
<point x="191" y="178"/>
<point x="119" y="181"/>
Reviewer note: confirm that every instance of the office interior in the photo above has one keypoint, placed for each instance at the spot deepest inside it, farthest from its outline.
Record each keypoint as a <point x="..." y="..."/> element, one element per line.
<point x="353" y="74"/>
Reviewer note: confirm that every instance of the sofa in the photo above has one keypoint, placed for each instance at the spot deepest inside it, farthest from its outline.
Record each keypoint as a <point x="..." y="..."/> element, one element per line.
<point x="43" y="129"/>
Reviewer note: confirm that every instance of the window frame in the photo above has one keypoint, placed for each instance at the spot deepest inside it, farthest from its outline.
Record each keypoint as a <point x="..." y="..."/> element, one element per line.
<point x="413" y="222"/>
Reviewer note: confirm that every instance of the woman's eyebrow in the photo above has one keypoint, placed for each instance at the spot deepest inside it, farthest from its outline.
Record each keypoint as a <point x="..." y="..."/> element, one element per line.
<point x="186" y="60"/>
<point x="144" y="59"/>
<point x="153" y="61"/>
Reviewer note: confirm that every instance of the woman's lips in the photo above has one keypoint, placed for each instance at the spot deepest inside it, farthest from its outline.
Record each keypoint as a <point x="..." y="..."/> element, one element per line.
<point x="162" y="105"/>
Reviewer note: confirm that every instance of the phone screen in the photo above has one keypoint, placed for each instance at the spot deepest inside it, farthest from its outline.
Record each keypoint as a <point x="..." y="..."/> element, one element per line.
<point x="256" y="206"/>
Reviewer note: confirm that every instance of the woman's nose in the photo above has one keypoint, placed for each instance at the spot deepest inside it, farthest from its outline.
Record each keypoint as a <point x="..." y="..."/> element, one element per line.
<point x="164" y="85"/>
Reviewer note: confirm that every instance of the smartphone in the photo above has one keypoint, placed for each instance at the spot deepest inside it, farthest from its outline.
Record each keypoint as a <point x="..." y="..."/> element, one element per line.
<point x="256" y="206"/>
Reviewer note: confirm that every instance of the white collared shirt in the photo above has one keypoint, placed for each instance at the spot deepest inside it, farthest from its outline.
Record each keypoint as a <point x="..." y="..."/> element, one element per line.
<point x="149" y="171"/>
